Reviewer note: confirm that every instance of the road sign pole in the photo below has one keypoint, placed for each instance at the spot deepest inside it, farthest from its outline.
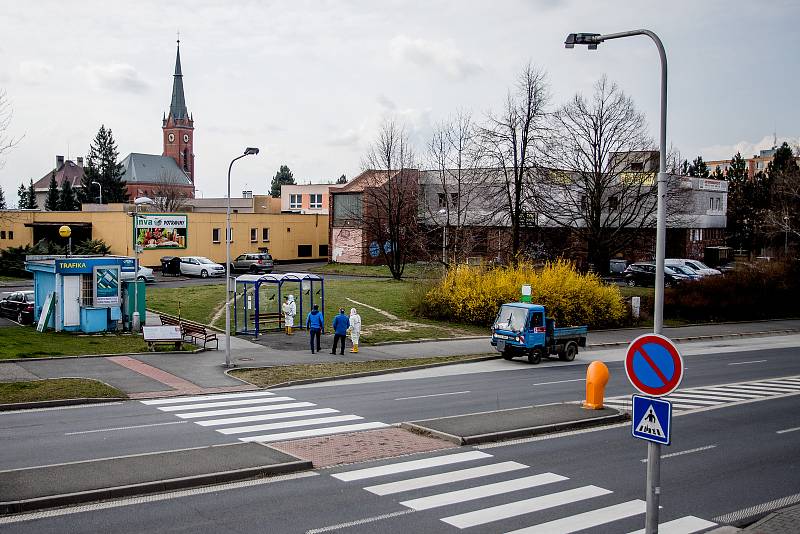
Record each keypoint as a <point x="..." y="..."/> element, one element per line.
<point x="653" y="487"/>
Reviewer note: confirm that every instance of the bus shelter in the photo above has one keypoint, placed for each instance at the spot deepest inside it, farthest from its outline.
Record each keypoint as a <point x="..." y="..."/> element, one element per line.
<point x="257" y="300"/>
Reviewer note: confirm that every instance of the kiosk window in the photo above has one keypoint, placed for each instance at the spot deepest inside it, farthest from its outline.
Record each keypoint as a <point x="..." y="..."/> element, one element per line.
<point x="87" y="290"/>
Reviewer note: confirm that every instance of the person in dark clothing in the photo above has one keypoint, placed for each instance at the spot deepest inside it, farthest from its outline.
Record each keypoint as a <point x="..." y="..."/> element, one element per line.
<point x="340" y="325"/>
<point x="315" y="324"/>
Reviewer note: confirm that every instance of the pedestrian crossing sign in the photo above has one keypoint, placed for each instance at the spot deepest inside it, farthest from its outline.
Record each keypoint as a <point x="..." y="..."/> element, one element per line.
<point x="651" y="419"/>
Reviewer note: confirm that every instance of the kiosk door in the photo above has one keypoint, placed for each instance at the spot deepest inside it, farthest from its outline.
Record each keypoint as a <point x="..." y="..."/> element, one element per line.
<point x="72" y="300"/>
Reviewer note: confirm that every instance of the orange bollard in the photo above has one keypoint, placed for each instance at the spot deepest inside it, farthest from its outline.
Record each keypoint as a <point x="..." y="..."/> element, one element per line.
<point x="596" y="380"/>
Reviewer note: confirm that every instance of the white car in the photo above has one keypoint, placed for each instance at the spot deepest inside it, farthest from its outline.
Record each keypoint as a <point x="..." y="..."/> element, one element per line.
<point x="145" y="274"/>
<point x="200" y="266"/>
<point x="698" y="266"/>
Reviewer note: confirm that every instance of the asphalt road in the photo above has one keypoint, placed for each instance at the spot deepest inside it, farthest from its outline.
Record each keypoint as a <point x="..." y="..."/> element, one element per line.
<point x="721" y="462"/>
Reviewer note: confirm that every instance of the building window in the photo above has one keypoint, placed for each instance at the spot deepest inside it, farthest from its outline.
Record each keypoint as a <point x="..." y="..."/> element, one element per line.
<point x="718" y="204"/>
<point x="613" y="203"/>
<point x="215" y="235"/>
<point x="346" y="207"/>
<point x="2" y="234"/>
<point x="253" y="235"/>
<point x="711" y="203"/>
<point x="442" y="200"/>
<point x="315" y="201"/>
<point x="697" y="234"/>
<point x="295" y="202"/>
<point x="11" y="234"/>
<point x="454" y="199"/>
<point x="323" y="250"/>
<point x="87" y="290"/>
<point x="637" y="166"/>
<point x="230" y="236"/>
<point x="304" y="251"/>
<point x="265" y="235"/>
<point x="584" y="203"/>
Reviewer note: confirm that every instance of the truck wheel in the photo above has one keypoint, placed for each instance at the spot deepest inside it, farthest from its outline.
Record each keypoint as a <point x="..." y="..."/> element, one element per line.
<point x="535" y="356"/>
<point x="569" y="352"/>
<point x="508" y="355"/>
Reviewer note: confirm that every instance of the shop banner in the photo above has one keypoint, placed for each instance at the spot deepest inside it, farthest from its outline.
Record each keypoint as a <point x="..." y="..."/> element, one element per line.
<point x="155" y="231"/>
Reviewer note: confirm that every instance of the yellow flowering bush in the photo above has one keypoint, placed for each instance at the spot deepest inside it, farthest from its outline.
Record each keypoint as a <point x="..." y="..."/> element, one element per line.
<point x="473" y="295"/>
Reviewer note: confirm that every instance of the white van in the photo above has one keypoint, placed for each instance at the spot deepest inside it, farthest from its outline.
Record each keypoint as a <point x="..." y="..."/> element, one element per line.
<point x="698" y="266"/>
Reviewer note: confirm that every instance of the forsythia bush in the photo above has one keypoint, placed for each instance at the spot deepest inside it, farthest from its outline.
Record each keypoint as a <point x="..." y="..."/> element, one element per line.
<point x="474" y="295"/>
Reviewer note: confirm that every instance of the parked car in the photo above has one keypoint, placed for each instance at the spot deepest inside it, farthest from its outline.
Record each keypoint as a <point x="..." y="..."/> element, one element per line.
<point x="18" y="306"/>
<point x="644" y="274"/>
<point x="145" y="274"/>
<point x="254" y="262"/>
<point x="701" y="268"/>
<point x="688" y="272"/>
<point x="200" y="266"/>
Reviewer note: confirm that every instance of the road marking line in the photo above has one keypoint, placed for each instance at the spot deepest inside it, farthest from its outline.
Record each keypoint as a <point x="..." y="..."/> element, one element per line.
<point x="504" y="511"/>
<point x="434" y="395"/>
<point x="559" y="382"/>
<point x="684" y="406"/>
<point x="696" y="399"/>
<point x="746" y="363"/>
<point x="222" y="404"/>
<point x="681" y="453"/>
<point x="289" y="424"/>
<point x="413" y="465"/>
<point x="122" y="428"/>
<point x="785" y="382"/>
<point x="444" y="478"/>
<point x="758" y="509"/>
<point x="178" y="400"/>
<point x="788" y="430"/>
<point x="249" y="409"/>
<point x="358" y="522"/>
<point x="769" y="389"/>
<point x="587" y="520"/>
<point x="317" y="432"/>
<point x="479" y="492"/>
<point x="684" y="525"/>
<point x="733" y="392"/>
<point x="723" y="396"/>
<point x="264" y="417"/>
<point x="778" y="383"/>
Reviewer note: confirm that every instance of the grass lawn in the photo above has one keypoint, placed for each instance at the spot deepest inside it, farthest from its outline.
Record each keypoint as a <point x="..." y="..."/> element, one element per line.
<point x="56" y="389"/>
<point x="412" y="270"/>
<point x="637" y="291"/>
<point x="196" y="303"/>
<point x="4" y="278"/>
<point x="269" y="376"/>
<point x="26" y="342"/>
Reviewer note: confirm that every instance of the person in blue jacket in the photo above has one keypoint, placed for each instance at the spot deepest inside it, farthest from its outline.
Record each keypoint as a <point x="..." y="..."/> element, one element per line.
<point x="340" y="325"/>
<point x="315" y="323"/>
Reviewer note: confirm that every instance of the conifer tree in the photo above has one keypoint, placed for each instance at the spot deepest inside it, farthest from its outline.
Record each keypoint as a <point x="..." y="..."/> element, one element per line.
<point x="66" y="198"/>
<point x="51" y="203"/>
<point x="102" y="167"/>
<point x="22" y="194"/>
<point x="32" y="204"/>
<point x="2" y="200"/>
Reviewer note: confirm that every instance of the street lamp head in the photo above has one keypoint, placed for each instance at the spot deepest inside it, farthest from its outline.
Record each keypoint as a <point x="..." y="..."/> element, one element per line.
<point x="142" y="200"/>
<point x="95" y="183"/>
<point x="589" y="39"/>
<point x="250" y="151"/>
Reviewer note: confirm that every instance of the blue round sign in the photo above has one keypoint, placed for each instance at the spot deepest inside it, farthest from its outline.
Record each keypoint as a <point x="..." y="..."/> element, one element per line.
<point x="653" y="365"/>
<point x="374" y="249"/>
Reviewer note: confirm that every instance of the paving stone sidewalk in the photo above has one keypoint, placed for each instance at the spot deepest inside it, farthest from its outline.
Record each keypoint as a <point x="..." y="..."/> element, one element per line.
<point x="786" y="521"/>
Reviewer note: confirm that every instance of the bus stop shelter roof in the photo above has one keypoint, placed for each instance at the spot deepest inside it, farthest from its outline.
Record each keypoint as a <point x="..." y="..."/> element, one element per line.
<point x="278" y="277"/>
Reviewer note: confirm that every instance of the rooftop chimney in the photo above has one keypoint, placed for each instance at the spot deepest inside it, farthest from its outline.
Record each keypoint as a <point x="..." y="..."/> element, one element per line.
<point x="80" y="161"/>
<point x="59" y="162"/>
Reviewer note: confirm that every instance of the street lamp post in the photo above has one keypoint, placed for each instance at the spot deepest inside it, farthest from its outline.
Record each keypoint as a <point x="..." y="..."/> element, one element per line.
<point x="136" y="322"/>
<point x="249" y="151"/>
<point x="653" y="449"/>
<point x="98" y="184"/>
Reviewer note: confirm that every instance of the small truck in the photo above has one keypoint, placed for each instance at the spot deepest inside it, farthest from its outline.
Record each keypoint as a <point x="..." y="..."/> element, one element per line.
<point x="523" y="329"/>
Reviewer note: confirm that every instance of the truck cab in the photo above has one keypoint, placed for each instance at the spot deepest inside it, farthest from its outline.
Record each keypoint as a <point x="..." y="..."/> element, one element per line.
<point x="523" y="329"/>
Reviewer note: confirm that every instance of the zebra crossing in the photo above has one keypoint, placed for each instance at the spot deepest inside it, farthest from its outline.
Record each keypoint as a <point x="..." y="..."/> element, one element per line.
<point x="262" y="416"/>
<point x="716" y="396"/>
<point x="465" y="495"/>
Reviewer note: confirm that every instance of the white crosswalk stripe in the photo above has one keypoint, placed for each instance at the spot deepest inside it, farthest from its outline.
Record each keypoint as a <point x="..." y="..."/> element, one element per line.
<point x="271" y="414"/>
<point x="548" y="491"/>
<point x="719" y="395"/>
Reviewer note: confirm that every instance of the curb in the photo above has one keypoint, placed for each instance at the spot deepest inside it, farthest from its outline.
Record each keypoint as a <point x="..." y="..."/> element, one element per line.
<point x="116" y="492"/>
<point x="57" y="403"/>
<point x="361" y="374"/>
<point x="706" y="337"/>
<point x="517" y="432"/>
<point x="426" y="340"/>
<point x="85" y="356"/>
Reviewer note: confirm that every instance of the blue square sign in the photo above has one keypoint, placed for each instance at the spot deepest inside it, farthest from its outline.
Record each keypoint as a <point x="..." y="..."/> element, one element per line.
<point x="651" y="419"/>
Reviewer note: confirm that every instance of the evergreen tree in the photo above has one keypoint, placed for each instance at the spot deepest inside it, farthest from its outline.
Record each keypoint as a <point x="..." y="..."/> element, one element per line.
<point x="698" y="168"/>
<point x="782" y="164"/>
<point x="342" y="179"/>
<point x="32" y="204"/>
<point x="102" y="167"/>
<point x="66" y="198"/>
<point x="22" y="193"/>
<point x="283" y="177"/>
<point x="748" y="200"/>
<point x="52" y="201"/>
<point x="2" y="200"/>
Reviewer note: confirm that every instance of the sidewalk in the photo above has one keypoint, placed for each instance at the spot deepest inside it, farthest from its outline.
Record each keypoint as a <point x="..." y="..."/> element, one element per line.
<point x="154" y="375"/>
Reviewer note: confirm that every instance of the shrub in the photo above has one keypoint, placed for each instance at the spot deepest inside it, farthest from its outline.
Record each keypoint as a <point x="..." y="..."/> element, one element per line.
<point x="760" y="292"/>
<point x="473" y="295"/>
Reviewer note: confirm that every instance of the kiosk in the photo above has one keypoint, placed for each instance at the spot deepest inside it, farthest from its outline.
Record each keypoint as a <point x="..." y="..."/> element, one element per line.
<point x="84" y="293"/>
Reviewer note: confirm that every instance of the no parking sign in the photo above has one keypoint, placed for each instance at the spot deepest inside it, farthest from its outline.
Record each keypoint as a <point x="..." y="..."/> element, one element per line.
<point x="653" y="365"/>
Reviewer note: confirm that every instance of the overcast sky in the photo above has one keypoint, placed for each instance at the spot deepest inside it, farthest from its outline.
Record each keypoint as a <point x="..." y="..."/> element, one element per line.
<point x="308" y="82"/>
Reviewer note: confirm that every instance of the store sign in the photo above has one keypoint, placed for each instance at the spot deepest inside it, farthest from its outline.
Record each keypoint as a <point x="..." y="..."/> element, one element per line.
<point x="106" y="285"/>
<point x="156" y="231"/>
<point x="73" y="266"/>
<point x="711" y="185"/>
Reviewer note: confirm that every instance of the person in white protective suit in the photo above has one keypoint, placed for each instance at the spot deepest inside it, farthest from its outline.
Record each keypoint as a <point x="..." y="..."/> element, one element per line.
<point x="355" y="328"/>
<point x="289" y="311"/>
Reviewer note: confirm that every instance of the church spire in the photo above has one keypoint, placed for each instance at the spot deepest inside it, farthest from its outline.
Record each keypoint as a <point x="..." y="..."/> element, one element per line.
<point x="177" y="108"/>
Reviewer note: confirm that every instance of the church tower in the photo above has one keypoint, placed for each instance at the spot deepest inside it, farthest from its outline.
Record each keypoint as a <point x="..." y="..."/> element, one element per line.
<point x="178" y="126"/>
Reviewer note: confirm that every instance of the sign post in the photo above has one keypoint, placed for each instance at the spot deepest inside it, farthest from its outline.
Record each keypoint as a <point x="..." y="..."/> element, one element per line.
<point x="654" y="367"/>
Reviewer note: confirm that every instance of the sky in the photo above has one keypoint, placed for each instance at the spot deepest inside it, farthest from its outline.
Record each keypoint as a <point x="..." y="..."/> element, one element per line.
<point x="310" y="82"/>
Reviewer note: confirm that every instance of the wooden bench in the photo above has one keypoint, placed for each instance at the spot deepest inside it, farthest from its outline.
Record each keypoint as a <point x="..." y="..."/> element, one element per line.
<point x="267" y="318"/>
<point x="198" y="332"/>
<point x="166" y="320"/>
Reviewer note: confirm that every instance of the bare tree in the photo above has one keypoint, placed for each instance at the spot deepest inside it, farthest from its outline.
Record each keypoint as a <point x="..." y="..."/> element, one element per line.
<point x="602" y="168"/>
<point x="388" y="208"/>
<point x="171" y="194"/>
<point x="454" y="193"/>
<point x="512" y="141"/>
<point x="7" y="142"/>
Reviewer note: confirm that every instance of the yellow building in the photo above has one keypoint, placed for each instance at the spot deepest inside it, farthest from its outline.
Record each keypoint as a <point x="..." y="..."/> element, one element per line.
<point x="287" y="236"/>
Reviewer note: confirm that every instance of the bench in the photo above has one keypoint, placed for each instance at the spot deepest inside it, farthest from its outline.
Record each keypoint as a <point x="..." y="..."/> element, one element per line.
<point x="163" y="335"/>
<point x="267" y="318"/>
<point x="166" y="320"/>
<point x="198" y="332"/>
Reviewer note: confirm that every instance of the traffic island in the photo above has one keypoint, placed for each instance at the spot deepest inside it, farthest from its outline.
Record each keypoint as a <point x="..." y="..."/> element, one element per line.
<point x="32" y="488"/>
<point x="499" y="425"/>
